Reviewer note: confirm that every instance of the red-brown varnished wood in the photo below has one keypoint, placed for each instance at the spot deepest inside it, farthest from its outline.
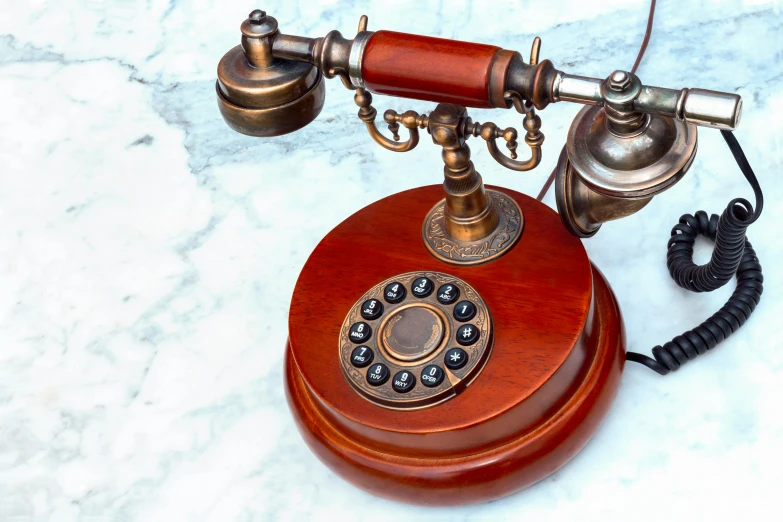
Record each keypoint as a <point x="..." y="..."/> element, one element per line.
<point x="427" y="68"/>
<point x="553" y="372"/>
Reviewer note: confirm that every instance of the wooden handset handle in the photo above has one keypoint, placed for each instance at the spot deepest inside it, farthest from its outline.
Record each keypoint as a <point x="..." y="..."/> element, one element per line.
<point x="436" y="69"/>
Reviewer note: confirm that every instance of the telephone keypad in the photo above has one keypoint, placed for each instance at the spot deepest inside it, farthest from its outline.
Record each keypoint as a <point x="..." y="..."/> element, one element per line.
<point x="397" y="343"/>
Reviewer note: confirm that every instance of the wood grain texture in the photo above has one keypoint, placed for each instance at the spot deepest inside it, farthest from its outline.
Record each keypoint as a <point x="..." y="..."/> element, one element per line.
<point x="427" y="68"/>
<point x="553" y="372"/>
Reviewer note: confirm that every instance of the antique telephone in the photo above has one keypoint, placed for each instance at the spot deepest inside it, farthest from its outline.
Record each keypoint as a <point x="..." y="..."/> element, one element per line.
<point x="454" y="344"/>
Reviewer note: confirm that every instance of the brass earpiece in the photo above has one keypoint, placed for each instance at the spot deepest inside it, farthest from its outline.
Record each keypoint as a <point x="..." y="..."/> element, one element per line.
<point x="261" y="95"/>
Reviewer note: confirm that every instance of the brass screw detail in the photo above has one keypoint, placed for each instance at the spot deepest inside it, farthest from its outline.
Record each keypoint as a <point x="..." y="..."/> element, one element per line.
<point x="619" y="81"/>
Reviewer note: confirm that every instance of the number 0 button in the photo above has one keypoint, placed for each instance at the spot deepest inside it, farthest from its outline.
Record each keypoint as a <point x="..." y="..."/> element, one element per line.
<point x="377" y="374"/>
<point x="464" y="311"/>
<point x="432" y="376"/>
<point x="403" y="381"/>
<point x="394" y="292"/>
<point x="360" y="332"/>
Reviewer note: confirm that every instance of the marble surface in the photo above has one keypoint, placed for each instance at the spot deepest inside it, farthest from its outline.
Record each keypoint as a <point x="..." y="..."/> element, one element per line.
<point x="148" y="255"/>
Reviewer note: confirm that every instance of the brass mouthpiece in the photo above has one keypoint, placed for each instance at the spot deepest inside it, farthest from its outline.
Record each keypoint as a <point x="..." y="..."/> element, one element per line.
<point x="260" y="95"/>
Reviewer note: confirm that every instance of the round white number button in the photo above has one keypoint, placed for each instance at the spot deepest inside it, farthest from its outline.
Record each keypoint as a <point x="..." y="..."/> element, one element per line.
<point x="403" y="381"/>
<point x="447" y="294"/>
<point x="377" y="374"/>
<point x="359" y="332"/>
<point x="432" y="376"/>
<point x="361" y="356"/>
<point x="394" y="292"/>
<point x="422" y="287"/>
<point x="464" y="311"/>
<point x="372" y="309"/>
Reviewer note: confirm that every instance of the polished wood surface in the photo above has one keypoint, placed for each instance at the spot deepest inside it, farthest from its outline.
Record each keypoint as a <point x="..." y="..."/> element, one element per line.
<point x="427" y="68"/>
<point x="553" y="371"/>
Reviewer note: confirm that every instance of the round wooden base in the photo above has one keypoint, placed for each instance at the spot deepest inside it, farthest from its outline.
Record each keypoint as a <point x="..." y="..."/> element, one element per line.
<point x="553" y="372"/>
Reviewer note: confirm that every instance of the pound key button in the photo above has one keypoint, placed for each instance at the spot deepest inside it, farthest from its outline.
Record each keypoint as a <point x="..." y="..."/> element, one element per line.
<point x="447" y="294"/>
<point x="394" y="292"/>
<point x="456" y="358"/>
<point x="467" y="334"/>
<point x="422" y="287"/>
<point x="359" y="332"/>
<point x="372" y="309"/>
<point x="361" y="356"/>
<point x="432" y="376"/>
<point x="464" y="311"/>
<point x="403" y="381"/>
<point x="377" y="374"/>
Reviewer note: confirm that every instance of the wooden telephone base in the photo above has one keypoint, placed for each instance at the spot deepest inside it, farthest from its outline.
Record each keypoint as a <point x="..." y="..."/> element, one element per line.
<point x="554" y="369"/>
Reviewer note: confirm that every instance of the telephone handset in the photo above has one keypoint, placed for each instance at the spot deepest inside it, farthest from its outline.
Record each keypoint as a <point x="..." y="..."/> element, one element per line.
<point x="454" y="344"/>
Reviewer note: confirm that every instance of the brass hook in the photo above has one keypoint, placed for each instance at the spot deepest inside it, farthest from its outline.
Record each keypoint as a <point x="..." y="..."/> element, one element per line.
<point x="490" y="132"/>
<point x="535" y="50"/>
<point x="409" y="119"/>
<point x="367" y="113"/>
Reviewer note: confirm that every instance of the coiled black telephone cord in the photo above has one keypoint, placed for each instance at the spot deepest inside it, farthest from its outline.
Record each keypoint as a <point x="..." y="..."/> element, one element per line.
<point x="733" y="254"/>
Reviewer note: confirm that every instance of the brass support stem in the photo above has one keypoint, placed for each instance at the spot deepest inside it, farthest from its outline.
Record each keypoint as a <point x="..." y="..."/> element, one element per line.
<point x="469" y="214"/>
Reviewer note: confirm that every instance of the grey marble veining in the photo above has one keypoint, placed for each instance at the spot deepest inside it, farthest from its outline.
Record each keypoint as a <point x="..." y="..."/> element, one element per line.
<point x="148" y="254"/>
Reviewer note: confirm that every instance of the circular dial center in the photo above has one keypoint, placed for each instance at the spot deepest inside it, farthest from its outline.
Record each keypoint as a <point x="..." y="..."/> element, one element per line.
<point x="412" y="333"/>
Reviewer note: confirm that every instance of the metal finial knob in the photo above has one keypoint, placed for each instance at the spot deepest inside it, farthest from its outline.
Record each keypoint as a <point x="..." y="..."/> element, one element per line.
<point x="257" y="15"/>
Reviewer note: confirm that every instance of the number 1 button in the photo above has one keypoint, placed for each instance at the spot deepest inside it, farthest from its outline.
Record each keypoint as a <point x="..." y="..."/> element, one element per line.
<point x="464" y="311"/>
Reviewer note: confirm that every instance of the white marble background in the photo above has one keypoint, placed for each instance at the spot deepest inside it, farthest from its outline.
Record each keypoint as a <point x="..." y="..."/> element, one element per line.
<point x="148" y="254"/>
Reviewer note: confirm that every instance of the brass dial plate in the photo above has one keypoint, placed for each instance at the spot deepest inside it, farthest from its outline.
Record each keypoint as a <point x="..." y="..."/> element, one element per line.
<point x="498" y="242"/>
<point x="455" y="380"/>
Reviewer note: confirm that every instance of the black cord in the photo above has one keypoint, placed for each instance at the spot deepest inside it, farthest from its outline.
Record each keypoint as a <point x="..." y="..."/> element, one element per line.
<point x="733" y="254"/>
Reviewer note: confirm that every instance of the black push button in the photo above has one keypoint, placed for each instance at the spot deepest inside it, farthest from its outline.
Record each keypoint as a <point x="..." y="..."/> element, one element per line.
<point x="377" y="374"/>
<point x="456" y="358"/>
<point x="467" y="334"/>
<point x="403" y="381"/>
<point x="464" y="311"/>
<point x="447" y="294"/>
<point x="372" y="309"/>
<point x="422" y="287"/>
<point x="359" y="332"/>
<point x="394" y="292"/>
<point x="432" y="375"/>
<point x="361" y="356"/>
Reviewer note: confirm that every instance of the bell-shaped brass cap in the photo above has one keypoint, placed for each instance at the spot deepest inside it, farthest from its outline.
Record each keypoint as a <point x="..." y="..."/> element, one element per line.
<point x="266" y="100"/>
